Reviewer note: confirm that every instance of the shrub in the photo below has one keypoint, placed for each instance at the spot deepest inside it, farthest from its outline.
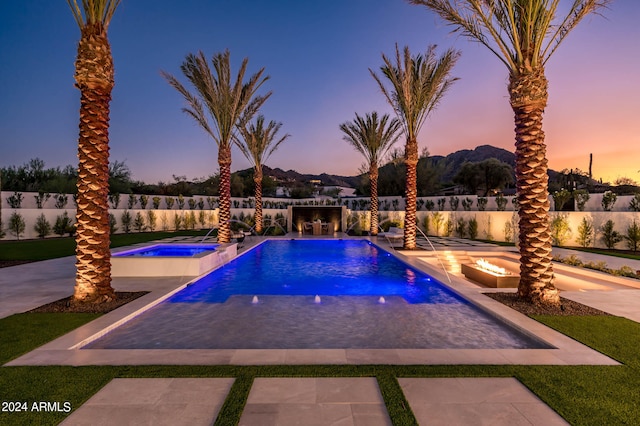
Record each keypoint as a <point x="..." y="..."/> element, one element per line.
<point x="192" y="203"/>
<point x="151" y="220"/>
<point x="155" y="202"/>
<point x="2" y="233"/>
<point x="169" y="202"/>
<point x="201" y="204"/>
<point x="608" y="200"/>
<point x="132" y="201"/>
<point x="138" y="222"/>
<point x="114" y="199"/>
<point x="61" y="201"/>
<point x="461" y="227"/>
<point x="112" y="224"/>
<point x="560" y="198"/>
<point x="466" y="204"/>
<point x="560" y="229"/>
<point x="501" y="202"/>
<point x="16" y="224"/>
<point x="473" y="228"/>
<point x="514" y="203"/>
<point x="41" y="198"/>
<point x="125" y="220"/>
<point x="448" y="228"/>
<point x="177" y="222"/>
<point x="454" y="202"/>
<point x="482" y="203"/>
<point x="63" y="224"/>
<point x="508" y="231"/>
<point x="190" y="220"/>
<point x="202" y="219"/>
<point x="429" y="205"/>
<point x="633" y="236"/>
<point x="426" y="223"/>
<point x="211" y="201"/>
<point x="15" y="200"/>
<point x="610" y="237"/>
<point x="487" y="234"/>
<point x="634" y="204"/>
<point x="441" y="203"/>
<point x="585" y="233"/>
<point x="42" y="226"/>
<point x="180" y="201"/>
<point x="144" y="200"/>
<point x="581" y="196"/>
<point x="437" y="221"/>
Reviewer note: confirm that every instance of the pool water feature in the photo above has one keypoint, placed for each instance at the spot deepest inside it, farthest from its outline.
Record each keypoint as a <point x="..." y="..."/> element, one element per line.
<point x="266" y="299"/>
<point x="166" y="260"/>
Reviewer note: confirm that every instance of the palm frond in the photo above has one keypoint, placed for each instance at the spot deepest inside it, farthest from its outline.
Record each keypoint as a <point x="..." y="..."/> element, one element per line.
<point x="93" y="12"/>
<point x="417" y="84"/>
<point x="521" y="33"/>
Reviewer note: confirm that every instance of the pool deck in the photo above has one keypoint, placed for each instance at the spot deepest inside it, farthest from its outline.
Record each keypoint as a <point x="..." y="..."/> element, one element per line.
<point x="307" y="400"/>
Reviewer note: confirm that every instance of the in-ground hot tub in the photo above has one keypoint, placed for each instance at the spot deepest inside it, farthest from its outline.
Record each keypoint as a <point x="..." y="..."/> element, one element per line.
<point x="170" y="260"/>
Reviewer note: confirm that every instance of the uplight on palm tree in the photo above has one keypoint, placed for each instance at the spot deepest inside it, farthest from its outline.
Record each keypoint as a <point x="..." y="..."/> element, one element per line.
<point x="257" y="143"/>
<point x="523" y="34"/>
<point x="94" y="77"/>
<point x="228" y="104"/>
<point x="417" y="85"/>
<point x="372" y="137"/>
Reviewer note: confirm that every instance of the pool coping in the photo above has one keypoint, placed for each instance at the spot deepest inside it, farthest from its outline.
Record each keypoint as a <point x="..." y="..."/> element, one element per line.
<point x="65" y="350"/>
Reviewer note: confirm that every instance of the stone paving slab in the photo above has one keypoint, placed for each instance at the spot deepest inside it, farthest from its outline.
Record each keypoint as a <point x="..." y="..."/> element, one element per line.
<point x="315" y="401"/>
<point x="476" y="401"/>
<point x="177" y="401"/>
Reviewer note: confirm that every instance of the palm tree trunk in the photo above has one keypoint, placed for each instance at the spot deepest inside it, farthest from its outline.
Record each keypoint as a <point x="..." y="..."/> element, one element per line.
<point x="94" y="78"/>
<point x="257" y="180"/>
<point x="528" y="96"/>
<point x="373" y="182"/>
<point x="411" y="162"/>
<point x="224" y="161"/>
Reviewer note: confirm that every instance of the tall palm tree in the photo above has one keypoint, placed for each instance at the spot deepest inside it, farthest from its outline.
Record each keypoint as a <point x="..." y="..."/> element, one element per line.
<point x="523" y="34"/>
<point x="94" y="78"/>
<point x="418" y="83"/>
<point x="257" y="144"/>
<point x="228" y="103"/>
<point x="372" y="137"/>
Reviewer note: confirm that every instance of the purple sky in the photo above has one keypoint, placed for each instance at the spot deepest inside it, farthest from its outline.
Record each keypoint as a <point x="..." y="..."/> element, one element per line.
<point x="318" y="55"/>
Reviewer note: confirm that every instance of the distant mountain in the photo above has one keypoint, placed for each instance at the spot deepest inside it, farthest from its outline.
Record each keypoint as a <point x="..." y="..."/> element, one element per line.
<point x="451" y="164"/>
<point x="455" y="160"/>
<point x="326" y="179"/>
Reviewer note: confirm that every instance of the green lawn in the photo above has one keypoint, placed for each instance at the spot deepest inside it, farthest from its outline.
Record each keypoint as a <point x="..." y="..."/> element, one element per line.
<point x="583" y="395"/>
<point x="51" y="248"/>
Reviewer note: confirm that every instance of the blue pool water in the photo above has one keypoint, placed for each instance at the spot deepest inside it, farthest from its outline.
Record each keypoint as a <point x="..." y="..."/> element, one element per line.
<point x="220" y="310"/>
<point x="322" y="267"/>
<point x="169" y="250"/>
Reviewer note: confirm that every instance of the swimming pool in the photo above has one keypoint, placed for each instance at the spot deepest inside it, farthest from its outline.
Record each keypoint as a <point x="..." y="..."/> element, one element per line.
<point x="165" y="260"/>
<point x="168" y="250"/>
<point x="266" y="299"/>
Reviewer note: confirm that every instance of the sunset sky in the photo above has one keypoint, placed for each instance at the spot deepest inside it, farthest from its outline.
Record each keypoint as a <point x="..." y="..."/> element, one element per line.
<point x="318" y="55"/>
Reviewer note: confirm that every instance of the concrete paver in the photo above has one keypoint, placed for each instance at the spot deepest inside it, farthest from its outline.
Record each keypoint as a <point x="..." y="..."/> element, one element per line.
<point x="177" y="401"/>
<point x="476" y="401"/>
<point x="315" y="401"/>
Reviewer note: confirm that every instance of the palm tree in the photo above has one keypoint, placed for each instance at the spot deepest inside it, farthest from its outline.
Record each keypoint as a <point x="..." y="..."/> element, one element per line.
<point x="372" y="138"/>
<point x="523" y="35"/>
<point x="228" y="103"/>
<point x="258" y="143"/>
<point x="418" y="83"/>
<point x="94" y="77"/>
